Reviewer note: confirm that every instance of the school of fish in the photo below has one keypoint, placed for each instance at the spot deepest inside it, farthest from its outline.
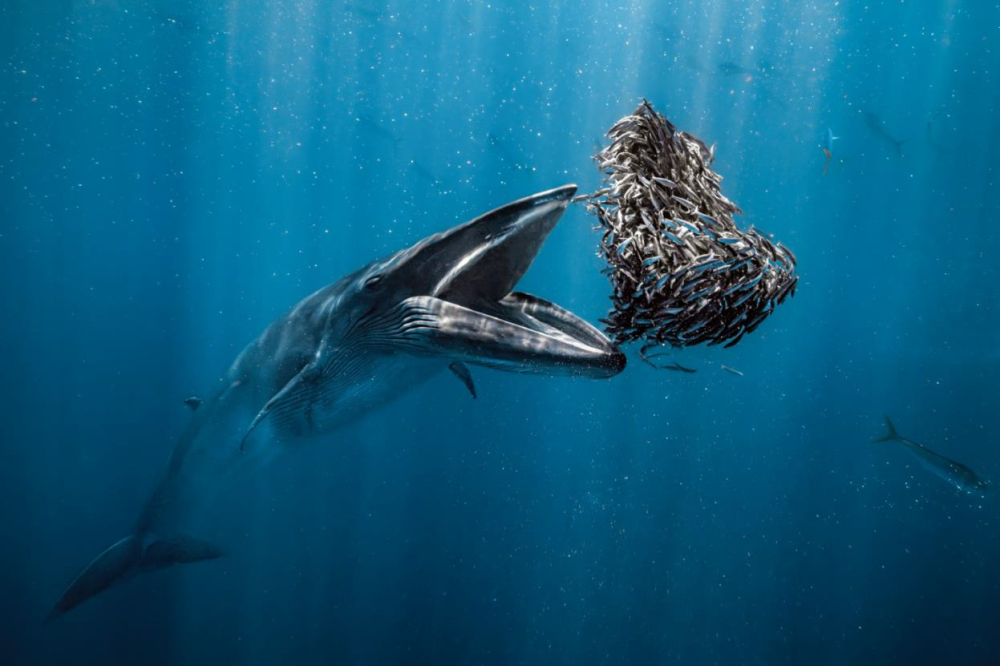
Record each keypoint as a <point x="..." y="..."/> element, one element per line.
<point x="683" y="273"/>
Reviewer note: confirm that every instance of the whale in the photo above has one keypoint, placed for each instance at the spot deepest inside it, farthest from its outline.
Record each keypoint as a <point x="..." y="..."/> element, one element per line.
<point x="439" y="306"/>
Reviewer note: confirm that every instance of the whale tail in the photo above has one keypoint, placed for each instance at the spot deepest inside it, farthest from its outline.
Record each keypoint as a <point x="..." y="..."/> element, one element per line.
<point x="128" y="557"/>
<point x="891" y="433"/>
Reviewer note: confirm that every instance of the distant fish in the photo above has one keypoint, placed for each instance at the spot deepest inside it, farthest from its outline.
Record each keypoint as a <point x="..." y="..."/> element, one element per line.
<point x="650" y="358"/>
<point x="376" y="128"/>
<point x="953" y="472"/>
<point x="368" y="13"/>
<point x="828" y="148"/>
<point x="177" y="21"/>
<point x="507" y="150"/>
<point x="423" y="172"/>
<point x="193" y="402"/>
<point x="877" y="126"/>
<point x="732" y="370"/>
<point x="730" y="68"/>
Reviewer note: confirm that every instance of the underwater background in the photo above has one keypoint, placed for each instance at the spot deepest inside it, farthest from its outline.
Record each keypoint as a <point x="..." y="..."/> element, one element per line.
<point x="174" y="176"/>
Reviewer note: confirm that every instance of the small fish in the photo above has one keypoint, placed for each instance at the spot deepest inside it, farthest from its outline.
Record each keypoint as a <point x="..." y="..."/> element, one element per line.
<point x="877" y="126"/>
<point x="685" y="202"/>
<point x="731" y="370"/>
<point x="828" y="148"/>
<point x="730" y="68"/>
<point x="677" y="367"/>
<point x="694" y="327"/>
<point x="673" y="238"/>
<point x="729" y="291"/>
<point x="691" y="227"/>
<point x="376" y="128"/>
<point x="703" y="292"/>
<point x="735" y="267"/>
<point x="791" y="255"/>
<point x="955" y="473"/>
<point x="424" y="173"/>
<point x="753" y="282"/>
<point x="735" y="340"/>
<point x="752" y="325"/>
<point x="193" y="402"/>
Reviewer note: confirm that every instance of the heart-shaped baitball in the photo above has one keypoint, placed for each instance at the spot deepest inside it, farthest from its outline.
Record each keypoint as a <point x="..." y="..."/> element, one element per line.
<point x="683" y="273"/>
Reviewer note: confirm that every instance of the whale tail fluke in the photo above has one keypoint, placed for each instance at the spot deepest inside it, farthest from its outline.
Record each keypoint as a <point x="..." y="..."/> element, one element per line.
<point x="128" y="557"/>
<point x="890" y="434"/>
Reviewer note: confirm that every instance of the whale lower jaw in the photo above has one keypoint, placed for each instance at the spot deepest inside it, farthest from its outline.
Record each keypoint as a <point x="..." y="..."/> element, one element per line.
<point x="520" y="333"/>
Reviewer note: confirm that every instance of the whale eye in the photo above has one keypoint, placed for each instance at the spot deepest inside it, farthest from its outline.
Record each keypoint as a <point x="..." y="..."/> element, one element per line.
<point x="372" y="282"/>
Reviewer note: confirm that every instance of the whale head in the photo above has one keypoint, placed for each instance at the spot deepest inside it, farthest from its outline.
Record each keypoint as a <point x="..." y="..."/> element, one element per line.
<point x="448" y="298"/>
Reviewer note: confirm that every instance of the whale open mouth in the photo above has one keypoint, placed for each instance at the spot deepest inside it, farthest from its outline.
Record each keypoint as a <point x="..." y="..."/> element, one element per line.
<point x="456" y="302"/>
<point x="469" y="311"/>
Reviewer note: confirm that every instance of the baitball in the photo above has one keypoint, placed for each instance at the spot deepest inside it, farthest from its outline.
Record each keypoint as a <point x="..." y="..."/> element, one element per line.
<point x="683" y="273"/>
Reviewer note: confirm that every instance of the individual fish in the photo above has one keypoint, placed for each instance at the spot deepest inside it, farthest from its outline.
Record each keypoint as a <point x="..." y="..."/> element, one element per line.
<point x="423" y="172"/>
<point x="735" y="340"/>
<point x="684" y="202"/>
<point x="733" y="371"/>
<point x="789" y="254"/>
<point x="828" y="148"/>
<point x="662" y="282"/>
<point x="877" y="126"/>
<point x="730" y="68"/>
<point x="378" y="129"/>
<point x="690" y="227"/>
<point x="955" y="473"/>
<point x="673" y="237"/>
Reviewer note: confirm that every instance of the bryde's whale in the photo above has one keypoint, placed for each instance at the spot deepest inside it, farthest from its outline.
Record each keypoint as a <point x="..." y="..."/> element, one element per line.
<point x="439" y="305"/>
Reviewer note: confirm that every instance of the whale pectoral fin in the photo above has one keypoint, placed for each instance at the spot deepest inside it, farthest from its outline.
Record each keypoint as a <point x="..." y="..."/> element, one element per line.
<point x="294" y="399"/>
<point x="178" y="549"/>
<point x="461" y="371"/>
<point x="434" y="326"/>
<point x="109" y="568"/>
<point x="126" y="558"/>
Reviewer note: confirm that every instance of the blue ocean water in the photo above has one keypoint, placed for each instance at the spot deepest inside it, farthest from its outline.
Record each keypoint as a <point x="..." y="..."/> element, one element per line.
<point x="173" y="176"/>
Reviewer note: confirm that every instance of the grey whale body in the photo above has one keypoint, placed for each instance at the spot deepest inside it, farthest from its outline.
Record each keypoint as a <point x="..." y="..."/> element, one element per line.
<point x="445" y="303"/>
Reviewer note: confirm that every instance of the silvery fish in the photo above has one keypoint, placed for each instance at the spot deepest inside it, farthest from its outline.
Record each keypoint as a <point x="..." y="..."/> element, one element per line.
<point x="955" y="473"/>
